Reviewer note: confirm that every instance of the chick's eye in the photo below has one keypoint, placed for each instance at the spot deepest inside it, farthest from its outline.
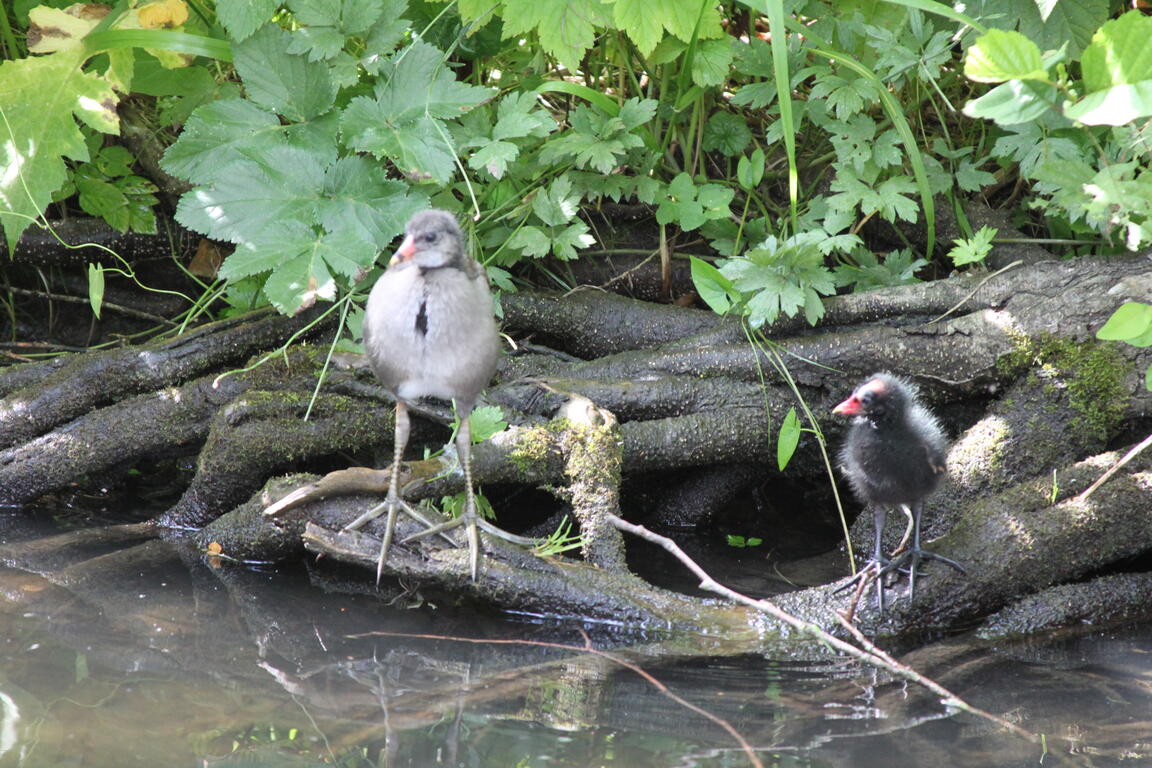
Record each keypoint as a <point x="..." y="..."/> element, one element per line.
<point x="428" y="237"/>
<point x="867" y="398"/>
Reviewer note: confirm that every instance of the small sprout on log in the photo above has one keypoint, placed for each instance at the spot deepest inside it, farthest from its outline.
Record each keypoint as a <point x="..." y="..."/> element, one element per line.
<point x="560" y="541"/>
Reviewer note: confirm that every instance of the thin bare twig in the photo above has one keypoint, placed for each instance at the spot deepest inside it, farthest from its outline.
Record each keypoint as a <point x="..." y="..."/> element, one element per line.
<point x="1136" y="451"/>
<point x="867" y="652"/>
<point x="972" y="292"/>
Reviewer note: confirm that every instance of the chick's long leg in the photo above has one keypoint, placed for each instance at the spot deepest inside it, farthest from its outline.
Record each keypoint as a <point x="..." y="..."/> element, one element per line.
<point x="393" y="502"/>
<point x="878" y="563"/>
<point x="914" y="555"/>
<point x="469" y="516"/>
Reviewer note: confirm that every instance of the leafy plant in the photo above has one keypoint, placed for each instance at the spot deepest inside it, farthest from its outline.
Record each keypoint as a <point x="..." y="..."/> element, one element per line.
<point x="776" y="277"/>
<point x="108" y="188"/>
<point x="486" y="421"/>
<point x="741" y="542"/>
<point x="44" y="96"/>
<point x="560" y="541"/>
<point x="1096" y="177"/>
<point x="453" y="506"/>
<point x="864" y="270"/>
<point x="975" y="249"/>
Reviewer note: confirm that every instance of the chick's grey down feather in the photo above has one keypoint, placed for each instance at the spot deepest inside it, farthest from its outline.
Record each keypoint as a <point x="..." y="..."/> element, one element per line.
<point x="429" y="330"/>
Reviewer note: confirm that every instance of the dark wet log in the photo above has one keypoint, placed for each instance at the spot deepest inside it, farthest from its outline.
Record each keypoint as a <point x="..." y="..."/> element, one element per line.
<point x="1088" y="607"/>
<point x="120" y="434"/>
<point x="47" y="395"/>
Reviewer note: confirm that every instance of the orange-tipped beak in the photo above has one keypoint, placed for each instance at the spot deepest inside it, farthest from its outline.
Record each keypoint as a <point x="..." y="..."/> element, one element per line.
<point x="849" y="407"/>
<point x="405" y="252"/>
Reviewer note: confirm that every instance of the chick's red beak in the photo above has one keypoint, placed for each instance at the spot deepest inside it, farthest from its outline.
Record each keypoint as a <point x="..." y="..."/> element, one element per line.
<point x="849" y="407"/>
<point x="405" y="252"/>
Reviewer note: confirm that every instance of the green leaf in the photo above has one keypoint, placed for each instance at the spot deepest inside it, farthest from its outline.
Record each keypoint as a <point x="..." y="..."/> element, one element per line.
<point x="1119" y="54"/>
<point x="95" y="288"/>
<point x="1118" y="105"/>
<point x="787" y="439"/>
<point x="1013" y="102"/>
<point x="974" y="249"/>
<point x="1131" y="321"/>
<point x="531" y="241"/>
<point x="219" y="134"/>
<point x="566" y="29"/>
<point x="635" y="17"/>
<point x="714" y="288"/>
<point x="288" y="85"/>
<point x="39" y="100"/>
<point x="296" y="284"/>
<point x="359" y="199"/>
<point x="783" y="277"/>
<point x="326" y="24"/>
<point x="726" y="133"/>
<point x="1148" y="378"/>
<point x="486" y="421"/>
<point x="401" y="121"/>
<point x="999" y="55"/>
<point x="254" y="198"/>
<point x="712" y="62"/>
<point x="242" y="19"/>
<point x="750" y="170"/>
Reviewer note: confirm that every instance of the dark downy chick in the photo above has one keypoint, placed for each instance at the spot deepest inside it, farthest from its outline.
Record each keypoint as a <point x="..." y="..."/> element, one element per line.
<point x="894" y="456"/>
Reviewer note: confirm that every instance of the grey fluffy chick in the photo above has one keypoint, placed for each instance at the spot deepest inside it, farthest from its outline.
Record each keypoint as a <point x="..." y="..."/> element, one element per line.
<point x="429" y="331"/>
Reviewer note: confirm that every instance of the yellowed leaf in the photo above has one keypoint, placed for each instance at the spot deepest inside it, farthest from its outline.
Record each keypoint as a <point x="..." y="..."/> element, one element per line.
<point x="163" y="14"/>
<point x="53" y="29"/>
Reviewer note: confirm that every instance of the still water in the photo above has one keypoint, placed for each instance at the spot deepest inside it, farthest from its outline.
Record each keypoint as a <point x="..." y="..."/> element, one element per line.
<point x="119" y="649"/>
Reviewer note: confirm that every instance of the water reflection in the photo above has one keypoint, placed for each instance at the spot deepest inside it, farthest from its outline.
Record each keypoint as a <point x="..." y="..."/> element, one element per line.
<point x="121" y="649"/>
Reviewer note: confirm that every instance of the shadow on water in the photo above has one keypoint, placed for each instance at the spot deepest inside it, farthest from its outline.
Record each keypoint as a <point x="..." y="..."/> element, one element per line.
<point x="121" y="650"/>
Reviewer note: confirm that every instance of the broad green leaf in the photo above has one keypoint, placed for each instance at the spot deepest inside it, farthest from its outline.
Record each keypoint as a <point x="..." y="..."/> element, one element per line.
<point x="39" y="99"/>
<point x="486" y="421"/>
<point x="241" y="19"/>
<point x="636" y="18"/>
<point x="1013" y="102"/>
<point x="1000" y="55"/>
<point x="358" y="199"/>
<point x="646" y="20"/>
<point x="566" y="29"/>
<point x="1119" y="54"/>
<point x="494" y="157"/>
<point x="401" y="121"/>
<point x="347" y="17"/>
<point x="750" y="170"/>
<point x="636" y="112"/>
<point x="714" y="288"/>
<point x="1118" y="105"/>
<point x="726" y="133"/>
<point x="556" y="205"/>
<point x="1131" y="320"/>
<point x="288" y="85"/>
<point x="298" y="283"/>
<point x="787" y="439"/>
<point x="530" y="241"/>
<point x="712" y="62"/>
<point x="1052" y="24"/>
<point x="974" y="249"/>
<point x="255" y="198"/>
<point x="219" y="134"/>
